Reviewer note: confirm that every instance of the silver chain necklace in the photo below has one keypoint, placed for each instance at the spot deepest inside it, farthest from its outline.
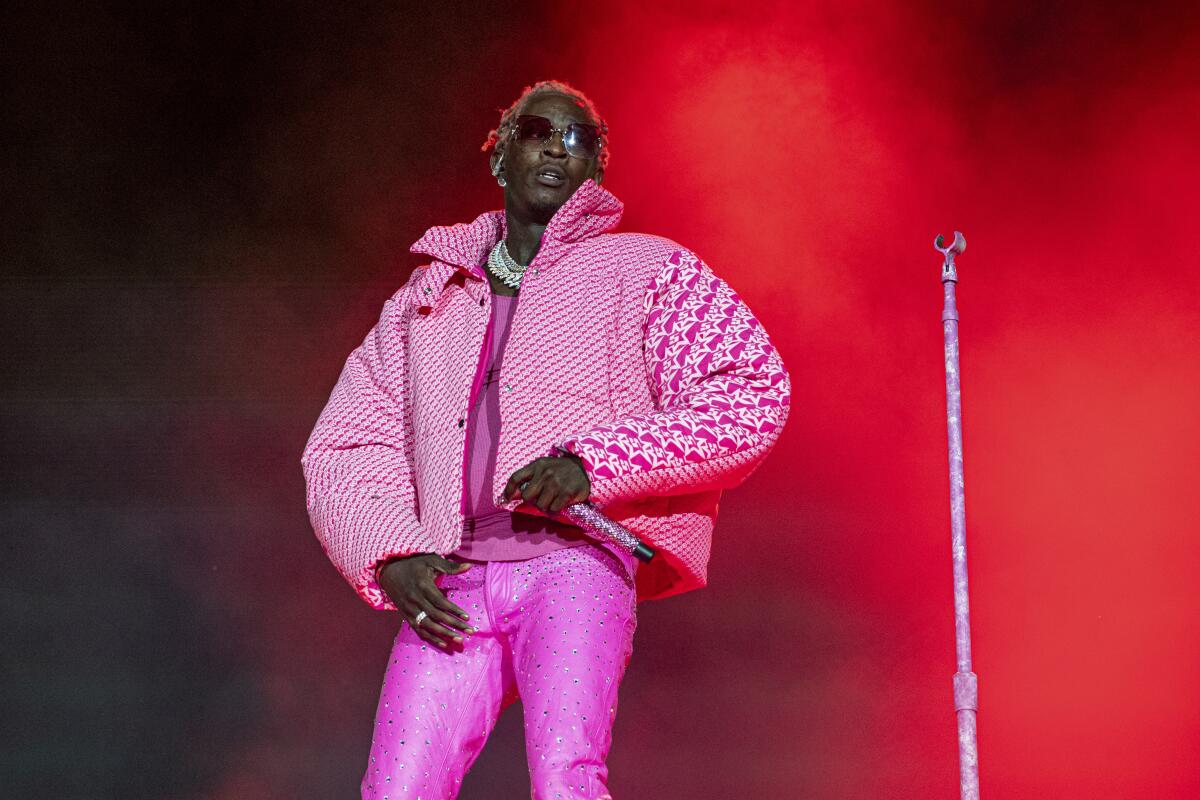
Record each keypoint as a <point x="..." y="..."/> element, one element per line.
<point x="504" y="266"/>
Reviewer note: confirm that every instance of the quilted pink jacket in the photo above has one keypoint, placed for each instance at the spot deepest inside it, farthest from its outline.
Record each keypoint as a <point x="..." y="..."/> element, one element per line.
<point x="625" y="349"/>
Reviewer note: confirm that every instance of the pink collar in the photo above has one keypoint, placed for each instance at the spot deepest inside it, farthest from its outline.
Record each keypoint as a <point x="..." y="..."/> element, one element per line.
<point x="589" y="212"/>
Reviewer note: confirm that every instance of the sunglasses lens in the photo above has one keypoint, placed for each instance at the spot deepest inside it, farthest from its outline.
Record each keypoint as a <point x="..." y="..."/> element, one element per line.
<point x="582" y="141"/>
<point x="534" y="129"/>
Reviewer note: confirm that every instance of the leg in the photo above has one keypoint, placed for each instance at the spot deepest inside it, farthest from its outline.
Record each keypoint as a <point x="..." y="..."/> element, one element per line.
<point x="437" y="708"/>
<point x="570" y="616"/>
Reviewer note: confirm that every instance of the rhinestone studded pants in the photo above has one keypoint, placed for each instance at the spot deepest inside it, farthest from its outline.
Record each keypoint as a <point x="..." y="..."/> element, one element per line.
<point x="557" y="631"/>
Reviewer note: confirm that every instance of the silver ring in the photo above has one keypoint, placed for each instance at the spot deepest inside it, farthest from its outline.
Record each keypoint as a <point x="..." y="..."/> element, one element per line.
<point x="421" y="615"/>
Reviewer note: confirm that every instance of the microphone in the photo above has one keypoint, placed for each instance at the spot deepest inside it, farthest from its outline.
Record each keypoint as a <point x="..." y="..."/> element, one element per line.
<point x="593" y="521"/>
<point x="590" y="518"/>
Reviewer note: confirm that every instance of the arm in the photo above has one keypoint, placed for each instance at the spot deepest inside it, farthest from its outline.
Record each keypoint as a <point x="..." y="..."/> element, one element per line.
<point x="720" y="389"/>
<point x="358" y="461"/>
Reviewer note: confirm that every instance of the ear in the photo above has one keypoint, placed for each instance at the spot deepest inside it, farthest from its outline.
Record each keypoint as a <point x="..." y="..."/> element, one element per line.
<point x="496" y="161"/>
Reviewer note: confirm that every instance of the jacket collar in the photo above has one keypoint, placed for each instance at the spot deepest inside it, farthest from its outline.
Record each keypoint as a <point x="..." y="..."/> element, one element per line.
<point x="591" y="211"/>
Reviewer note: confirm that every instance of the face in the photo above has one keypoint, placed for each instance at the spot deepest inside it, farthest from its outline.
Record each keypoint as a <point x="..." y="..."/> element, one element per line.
<point x="541" y="175"/>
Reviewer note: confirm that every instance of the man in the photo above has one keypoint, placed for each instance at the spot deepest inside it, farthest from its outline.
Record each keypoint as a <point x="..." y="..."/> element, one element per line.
<point x="538" y="361"/>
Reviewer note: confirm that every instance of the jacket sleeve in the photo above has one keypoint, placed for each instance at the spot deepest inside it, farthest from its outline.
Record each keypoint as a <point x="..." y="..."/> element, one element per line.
<point x="720" y="388"/>
<point x="357" y="463"/>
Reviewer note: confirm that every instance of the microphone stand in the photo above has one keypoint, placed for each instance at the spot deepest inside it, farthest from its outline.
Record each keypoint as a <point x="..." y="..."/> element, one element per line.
<point x="966" y="687"/>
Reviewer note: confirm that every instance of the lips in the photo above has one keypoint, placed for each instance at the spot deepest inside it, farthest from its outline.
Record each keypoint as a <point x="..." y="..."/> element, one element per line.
<point x="550" y="175"/>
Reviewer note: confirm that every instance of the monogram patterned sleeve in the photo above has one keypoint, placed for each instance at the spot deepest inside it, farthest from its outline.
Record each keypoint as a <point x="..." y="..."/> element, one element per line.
<point x="358" y="460"/>
<point x="721" y="392"/>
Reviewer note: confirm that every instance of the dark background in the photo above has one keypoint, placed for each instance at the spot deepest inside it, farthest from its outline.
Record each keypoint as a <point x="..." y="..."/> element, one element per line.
<point x="206" y="206"/>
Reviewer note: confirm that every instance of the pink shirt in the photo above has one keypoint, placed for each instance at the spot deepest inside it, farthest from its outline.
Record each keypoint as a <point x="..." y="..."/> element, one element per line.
<point x="491" y="533"/>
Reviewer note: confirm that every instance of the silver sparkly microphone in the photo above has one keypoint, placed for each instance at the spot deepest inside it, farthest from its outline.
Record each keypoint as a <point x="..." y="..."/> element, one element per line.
<point x="594" y="522"/>
<point x="590" y="518"/>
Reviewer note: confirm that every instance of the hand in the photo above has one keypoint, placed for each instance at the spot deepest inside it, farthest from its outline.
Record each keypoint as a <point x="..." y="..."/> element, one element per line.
<point x="550" y="483"/>
<point x="409" y="583"/>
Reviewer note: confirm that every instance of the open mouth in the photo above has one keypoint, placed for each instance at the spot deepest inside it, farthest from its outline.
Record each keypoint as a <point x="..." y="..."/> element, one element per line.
<point x="551" y="176"/>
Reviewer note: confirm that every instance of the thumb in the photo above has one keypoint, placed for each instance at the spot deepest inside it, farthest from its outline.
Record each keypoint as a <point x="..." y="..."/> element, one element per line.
<point x="448" y="567"/>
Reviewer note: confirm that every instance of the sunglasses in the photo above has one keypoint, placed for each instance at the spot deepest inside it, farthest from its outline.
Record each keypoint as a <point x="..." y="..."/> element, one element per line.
<point x="579" y="138"/>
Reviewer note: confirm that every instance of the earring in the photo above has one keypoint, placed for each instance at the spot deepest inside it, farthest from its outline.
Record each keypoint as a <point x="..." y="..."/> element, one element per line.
<point x="496" y="172"/>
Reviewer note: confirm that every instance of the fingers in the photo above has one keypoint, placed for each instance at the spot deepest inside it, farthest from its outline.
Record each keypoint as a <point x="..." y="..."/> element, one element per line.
<point x="410" y="583"/>
<point x="532" y="491"/>
<point x="448" y="567"/>
<point x="567" y="499"/>
<point x="444" y="622"/>
<point x="561" y="483"/>
<point x="517" y="478"/>
<point x="437" y="627"/>
<point x="441" y="609"/>
<point x="424" y="632"/>
<point x="444" y="634"/>
<point x="543" y="488"/>
<point x="549" y="483"/>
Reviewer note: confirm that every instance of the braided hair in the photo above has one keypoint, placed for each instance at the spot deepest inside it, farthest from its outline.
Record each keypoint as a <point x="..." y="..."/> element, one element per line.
<point x="509" y="115"/>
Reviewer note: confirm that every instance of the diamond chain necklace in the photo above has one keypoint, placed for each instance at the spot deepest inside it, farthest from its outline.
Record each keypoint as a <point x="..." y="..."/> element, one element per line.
<point x="504" y="266"/>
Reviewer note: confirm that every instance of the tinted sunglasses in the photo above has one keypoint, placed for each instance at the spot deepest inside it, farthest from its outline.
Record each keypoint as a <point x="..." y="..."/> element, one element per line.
<point x="579" y="138"/>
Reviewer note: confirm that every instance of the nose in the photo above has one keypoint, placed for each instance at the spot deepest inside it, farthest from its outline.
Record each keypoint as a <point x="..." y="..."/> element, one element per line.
<point x="554" y="146"/>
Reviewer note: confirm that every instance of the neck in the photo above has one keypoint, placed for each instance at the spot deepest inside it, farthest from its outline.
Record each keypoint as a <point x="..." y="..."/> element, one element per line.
<point x="523" y="240"/>
<point x="524" y="237"/>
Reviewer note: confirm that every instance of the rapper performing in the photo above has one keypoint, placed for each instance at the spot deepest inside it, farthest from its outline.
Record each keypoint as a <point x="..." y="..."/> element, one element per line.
<point x="538" y="361"/>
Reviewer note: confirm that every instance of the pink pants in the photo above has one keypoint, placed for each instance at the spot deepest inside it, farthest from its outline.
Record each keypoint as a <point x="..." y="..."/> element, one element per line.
<point x="557" y="631"/>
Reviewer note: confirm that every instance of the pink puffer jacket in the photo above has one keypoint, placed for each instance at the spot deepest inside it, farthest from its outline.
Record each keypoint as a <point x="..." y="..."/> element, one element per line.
<point x="625" y="350"/>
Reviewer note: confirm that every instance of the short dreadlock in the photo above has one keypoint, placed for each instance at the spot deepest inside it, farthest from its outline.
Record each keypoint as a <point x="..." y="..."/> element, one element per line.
<point x="509" y="115"/>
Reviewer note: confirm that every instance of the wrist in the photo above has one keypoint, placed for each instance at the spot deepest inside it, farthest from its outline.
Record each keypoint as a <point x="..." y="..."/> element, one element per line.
<point x="384" y="563"/>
